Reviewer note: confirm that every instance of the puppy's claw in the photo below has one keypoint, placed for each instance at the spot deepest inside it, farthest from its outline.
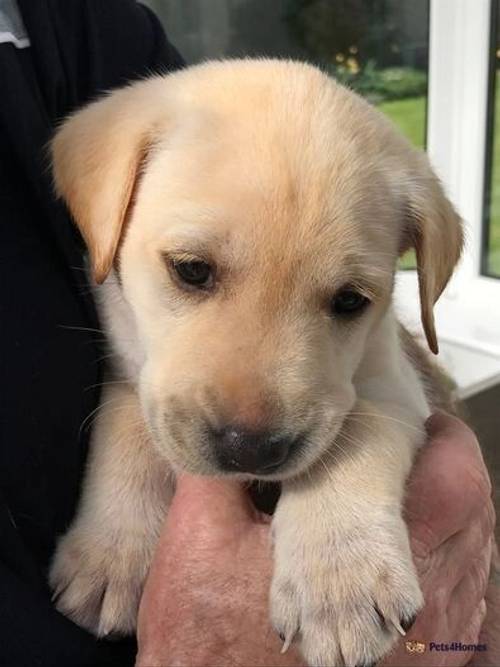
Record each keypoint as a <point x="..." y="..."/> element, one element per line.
<point x="103" y="631"/>
<point x="58" y="591"/>
<point x="399" y="628"/>
<point x="406" y="623"/>
<point x="287" y="641"/>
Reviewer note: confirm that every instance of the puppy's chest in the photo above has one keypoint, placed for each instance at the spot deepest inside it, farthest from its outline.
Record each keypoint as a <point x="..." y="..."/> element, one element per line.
<point x="119" y="324"/>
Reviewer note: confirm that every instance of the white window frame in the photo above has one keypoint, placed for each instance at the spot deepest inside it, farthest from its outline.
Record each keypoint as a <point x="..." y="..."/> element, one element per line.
<point x="468" y="313"/>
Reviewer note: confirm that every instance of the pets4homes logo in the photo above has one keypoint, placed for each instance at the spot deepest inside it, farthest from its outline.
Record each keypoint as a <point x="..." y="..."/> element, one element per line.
<point x="421" y="647"/>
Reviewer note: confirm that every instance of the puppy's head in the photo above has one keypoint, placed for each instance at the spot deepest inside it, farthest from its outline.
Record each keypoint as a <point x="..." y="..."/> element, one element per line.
<point x="255" y="211"/>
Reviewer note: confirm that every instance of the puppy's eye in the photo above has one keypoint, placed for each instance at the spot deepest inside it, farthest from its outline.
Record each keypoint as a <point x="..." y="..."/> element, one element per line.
<point x="349" y="302"/>
<point x="194" y="273"/>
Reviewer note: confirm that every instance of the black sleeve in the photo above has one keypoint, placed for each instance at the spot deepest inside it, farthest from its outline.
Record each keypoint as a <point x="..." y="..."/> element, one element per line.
<point x="50" y="339"/>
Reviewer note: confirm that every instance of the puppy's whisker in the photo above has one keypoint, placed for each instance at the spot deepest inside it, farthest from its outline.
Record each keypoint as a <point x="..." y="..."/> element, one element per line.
<point x="309" y="474"/>
<point x="336" y="445"/>
<point x="126" y="432"/>
<point x="367" y="427"/>
<point x="75" y="328"/>
<point x="106" y="356"/>
<point x="375" y="415"/>
<point x="110" y="412"/>
<point x="107" y="382"/>
<point x="142" y="436"/>
<point x="93" y="330"/>
<point x="387" y="417"/>
<point x="99" y="409"/>
<point x="327" y="469"/>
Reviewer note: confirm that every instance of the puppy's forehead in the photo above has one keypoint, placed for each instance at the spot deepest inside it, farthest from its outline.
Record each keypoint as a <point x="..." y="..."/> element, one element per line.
<point x="285" y="163"/>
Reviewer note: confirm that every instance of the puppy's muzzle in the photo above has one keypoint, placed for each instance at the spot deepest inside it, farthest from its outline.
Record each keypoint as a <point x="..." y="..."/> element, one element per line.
<point x="255" y="452"/>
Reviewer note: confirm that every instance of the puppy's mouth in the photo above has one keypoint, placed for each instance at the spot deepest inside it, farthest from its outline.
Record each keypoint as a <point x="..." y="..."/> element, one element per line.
<point x="201" y="447"/>
<point x="233" y="452"/>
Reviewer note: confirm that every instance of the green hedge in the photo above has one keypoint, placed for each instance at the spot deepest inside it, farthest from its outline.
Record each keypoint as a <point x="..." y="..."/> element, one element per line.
<point x="391" y="83"/>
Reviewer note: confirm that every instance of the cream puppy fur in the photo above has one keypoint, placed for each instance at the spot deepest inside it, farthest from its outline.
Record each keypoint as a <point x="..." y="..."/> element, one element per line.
<point x="244" y="220"/>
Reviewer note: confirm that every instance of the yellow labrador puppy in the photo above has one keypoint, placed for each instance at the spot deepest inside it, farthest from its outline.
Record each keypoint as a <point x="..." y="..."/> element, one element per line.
<point x="244" y="220"/>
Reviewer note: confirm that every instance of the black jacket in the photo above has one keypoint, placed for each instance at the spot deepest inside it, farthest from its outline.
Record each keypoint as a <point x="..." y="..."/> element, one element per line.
<point x="48" y="347"/>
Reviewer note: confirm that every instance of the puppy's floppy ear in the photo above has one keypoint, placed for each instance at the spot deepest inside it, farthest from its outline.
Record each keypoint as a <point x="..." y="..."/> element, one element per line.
<point x="96" y="156"/>
<point x="434" y="229"/>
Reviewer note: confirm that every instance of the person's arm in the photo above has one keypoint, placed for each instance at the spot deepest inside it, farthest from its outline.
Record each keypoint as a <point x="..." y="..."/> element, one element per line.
<point x="206" y="598"/>
<point x="49" y="339"/>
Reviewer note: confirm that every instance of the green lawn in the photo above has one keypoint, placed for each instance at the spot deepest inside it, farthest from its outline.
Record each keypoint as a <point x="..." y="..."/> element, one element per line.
<point x="409" y="116"/>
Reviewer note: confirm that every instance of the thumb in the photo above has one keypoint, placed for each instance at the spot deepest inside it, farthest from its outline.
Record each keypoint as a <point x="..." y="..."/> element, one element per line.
<point x="448" y="483"/>
<point x="443" y="426"/>
<point x="214" y="501"/>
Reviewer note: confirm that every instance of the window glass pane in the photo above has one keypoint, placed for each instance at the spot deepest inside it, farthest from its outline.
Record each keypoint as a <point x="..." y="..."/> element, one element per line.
<point x="491" y="235"/>
<point x="378" y="47"/>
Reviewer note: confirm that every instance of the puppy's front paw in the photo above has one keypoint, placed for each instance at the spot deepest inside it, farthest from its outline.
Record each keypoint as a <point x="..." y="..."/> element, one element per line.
<point x="98" y="577"/>
<point x="345" y="596"/>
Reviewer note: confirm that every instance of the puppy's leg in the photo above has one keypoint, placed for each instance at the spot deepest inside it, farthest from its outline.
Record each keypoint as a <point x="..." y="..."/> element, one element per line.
<point x="344" y="581"/>
<point x="100" y="565"/>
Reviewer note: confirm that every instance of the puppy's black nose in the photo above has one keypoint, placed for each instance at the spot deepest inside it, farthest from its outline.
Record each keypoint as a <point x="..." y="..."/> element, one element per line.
<point x="257" y="452"/>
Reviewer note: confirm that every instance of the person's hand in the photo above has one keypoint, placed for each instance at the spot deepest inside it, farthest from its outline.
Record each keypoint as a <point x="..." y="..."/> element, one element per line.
<point x="490" y="632"/>
<point x="451" y="518"/>
<point x="206" y="599"/>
